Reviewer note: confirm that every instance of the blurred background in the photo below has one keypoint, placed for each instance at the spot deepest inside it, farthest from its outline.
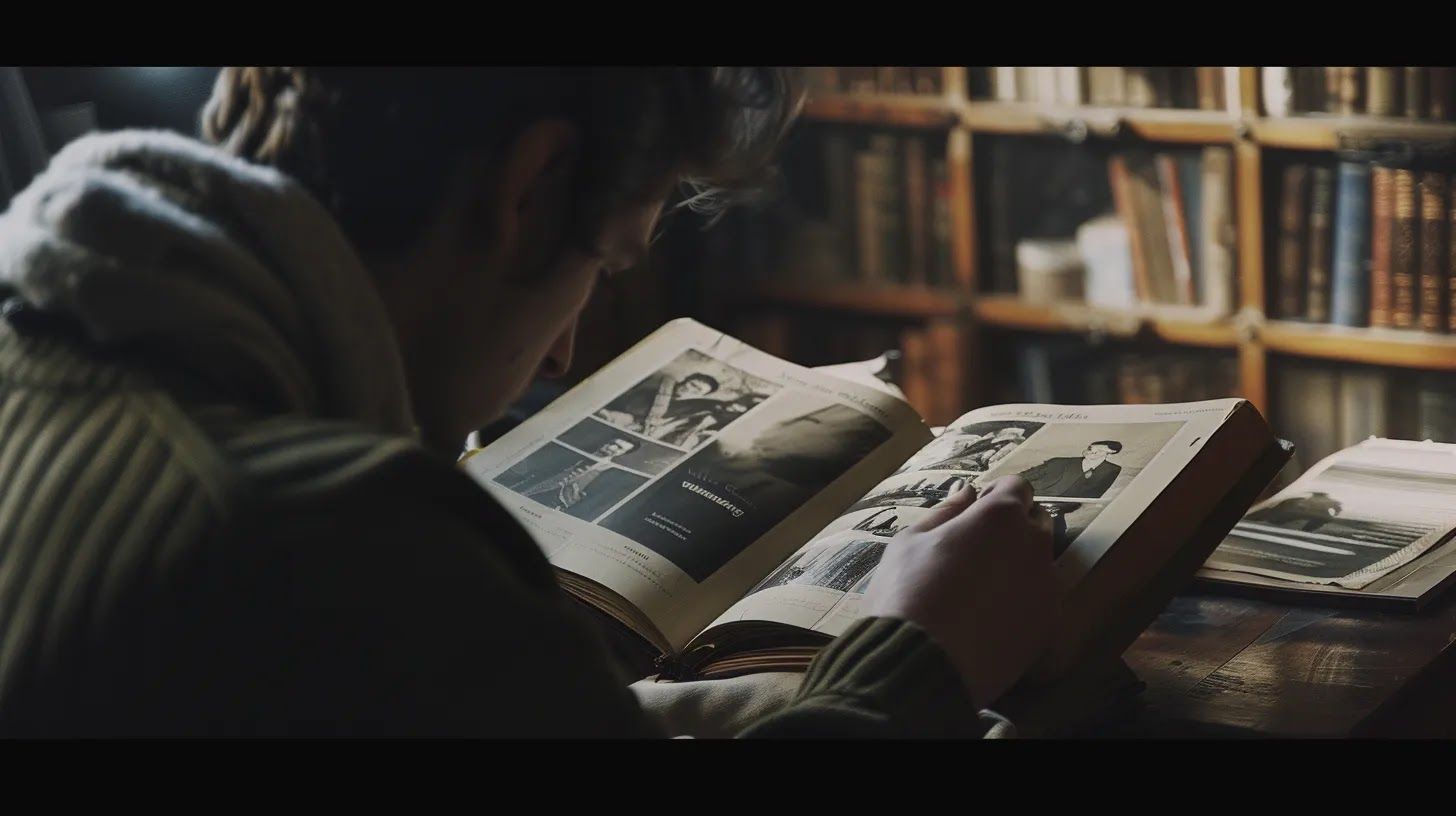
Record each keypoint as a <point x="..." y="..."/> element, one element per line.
<point x="1046" y="234"/>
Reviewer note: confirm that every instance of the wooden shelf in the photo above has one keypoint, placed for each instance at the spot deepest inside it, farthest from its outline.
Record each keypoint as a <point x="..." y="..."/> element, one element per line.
<point x="1316" y="132"/>
<point x="884" y="110"/>
<point x="1011" y="312"/>
<point x="1391" y="347"/>
<point x="893" y="301"/>
<point x="1152" y="124"/>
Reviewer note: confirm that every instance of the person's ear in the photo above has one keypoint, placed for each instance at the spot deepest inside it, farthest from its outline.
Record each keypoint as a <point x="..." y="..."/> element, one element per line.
<point x="534" y="191"/>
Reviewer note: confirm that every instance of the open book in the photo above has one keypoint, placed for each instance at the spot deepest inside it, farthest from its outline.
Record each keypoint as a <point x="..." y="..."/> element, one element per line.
<point x="728" y="508"/>
<point x="1372" y="524"/>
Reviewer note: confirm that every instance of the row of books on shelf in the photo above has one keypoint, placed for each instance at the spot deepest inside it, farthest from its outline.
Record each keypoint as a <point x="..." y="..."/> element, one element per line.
<point x="896" y="79"/>
<point x="1194" y="88"/>
<point x="1168" y="240"/>
<point x="1074" y="373"/>
<point x="1411" y="92"/>
<point x="1324" y="408"/>
<point x="885" y="214"/>
<point x="1366" y="245"/>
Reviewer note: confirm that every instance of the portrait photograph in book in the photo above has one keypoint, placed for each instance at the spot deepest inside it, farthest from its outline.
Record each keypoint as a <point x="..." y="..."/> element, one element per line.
<point x="689" y="400"/>
<point x="1076" y="470"/>
<point x="642" y="455"/>
<point x="841" y="566"/>
<point x="1341" y="523"/>
<point x="973" y="448"/>
<point x="562" y="479"/>
<point x="712" y="505"/>
<point x="918" y="489"/>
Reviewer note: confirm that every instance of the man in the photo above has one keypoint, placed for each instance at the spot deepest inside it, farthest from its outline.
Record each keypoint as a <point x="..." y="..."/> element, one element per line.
<point x="566" y="489"/>
<point x="1087" y="477"/>
<point x="234" y="379"/>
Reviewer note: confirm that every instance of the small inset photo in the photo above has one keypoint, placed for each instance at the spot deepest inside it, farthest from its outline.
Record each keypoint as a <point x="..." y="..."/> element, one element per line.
<point x="844" y="566"/>
<point x="974" y="448"/>
<point x="622" y="448"/>
<point x="688" y="401"/>
<point x="920" y="489"/>
<point x="562" y="479"/>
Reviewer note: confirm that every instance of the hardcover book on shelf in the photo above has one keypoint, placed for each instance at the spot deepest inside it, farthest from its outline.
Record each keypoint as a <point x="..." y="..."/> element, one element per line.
<point x="1215" y="235"/>
<point x="724" y="510"/>
<point x="1289" y="290"/>
<point x="1434" y="283"/>
<point x="1382" y="228"/>
<point x="1317" y="264"/>
<point x="1404" y="250"/>
<point x="1350" y="296"/>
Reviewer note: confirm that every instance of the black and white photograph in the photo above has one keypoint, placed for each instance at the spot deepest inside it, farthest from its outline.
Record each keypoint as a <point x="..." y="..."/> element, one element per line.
<point x="689" y="400"/>
<point x="712" y="505"/>
<point x="843" y="567"/>
<point x="916" y="490"/>
<point x="1347" y="518"/>
<point x="605" y="441"/>
<point x="1075" y="471"/>
<point x="562" y="479"/>
<point x="885" y="522"/>
<point x="973" y="448"/>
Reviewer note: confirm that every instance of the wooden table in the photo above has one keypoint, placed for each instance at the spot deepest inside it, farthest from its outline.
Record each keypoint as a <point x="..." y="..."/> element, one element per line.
<point x="1217" y="665"/>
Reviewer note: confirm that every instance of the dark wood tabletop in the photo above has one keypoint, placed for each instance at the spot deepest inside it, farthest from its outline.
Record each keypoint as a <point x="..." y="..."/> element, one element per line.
<point x="1219" y="665"/>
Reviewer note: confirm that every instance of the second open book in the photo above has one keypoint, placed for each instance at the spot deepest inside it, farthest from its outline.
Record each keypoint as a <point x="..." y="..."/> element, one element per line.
<point x="729" y="508"/>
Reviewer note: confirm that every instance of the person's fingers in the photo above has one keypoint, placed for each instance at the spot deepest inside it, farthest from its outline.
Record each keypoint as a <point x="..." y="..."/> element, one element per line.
<point x="1011" y="486"/>
<point x="952" y="506"/>
<point x="1044" y="527"/>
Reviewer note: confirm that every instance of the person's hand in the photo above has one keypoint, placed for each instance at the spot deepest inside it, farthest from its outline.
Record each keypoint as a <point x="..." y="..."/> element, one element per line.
<point x="976" y="574"/>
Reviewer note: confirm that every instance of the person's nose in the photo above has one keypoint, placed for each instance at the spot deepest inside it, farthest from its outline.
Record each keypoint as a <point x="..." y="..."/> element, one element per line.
<point x="558" y="357"/>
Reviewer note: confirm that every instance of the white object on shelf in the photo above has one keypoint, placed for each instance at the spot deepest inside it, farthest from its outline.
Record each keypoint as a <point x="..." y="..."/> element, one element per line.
<point x="1106" y="252"/>
<point x="1048" y="270"/>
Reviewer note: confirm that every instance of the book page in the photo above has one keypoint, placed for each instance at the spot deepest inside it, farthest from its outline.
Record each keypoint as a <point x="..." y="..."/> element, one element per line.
<point x="1352" y="518"/>
<point x="684" y="471"/>
<point x="1094" y="468"/>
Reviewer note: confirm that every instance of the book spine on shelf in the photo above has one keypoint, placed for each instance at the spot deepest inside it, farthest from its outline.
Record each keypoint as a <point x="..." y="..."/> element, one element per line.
<point x="1434" y="285"/>
<point x="1382" y="205"/>
<point x="1349" y="303"/>
<point x="1217" y="235"/>
<point x="1382" y="91"/>
<point x="1293" y="212"/>
<point x="1415" y="92"/>
<point x="1321" y="206"/>
<point x="917" y="204"/>
<point x="1403" y="252"/>
<point x="1277" y="90"/>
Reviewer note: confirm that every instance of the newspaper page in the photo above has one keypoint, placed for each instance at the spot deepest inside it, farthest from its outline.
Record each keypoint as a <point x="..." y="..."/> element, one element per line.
<point x="1352" y="518"/>
<point x="1094" y="468"/>
<point x="684" y="471"/>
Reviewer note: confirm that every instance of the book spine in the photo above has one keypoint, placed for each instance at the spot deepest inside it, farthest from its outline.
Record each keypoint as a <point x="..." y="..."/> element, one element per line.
<point x="868" y="236"/>
<point x="1139" y="91"/>
<point x="890" y="210"/>
<point x="1277" y="90"/>
<point x="1120" y="180"/>
<point x="1293" y="211"/>
<point x="1069" y="85"/>
<point x="1210" y="82"/>
<point x="1003" y="242"/>
<point x="1321" y="201"/>
<point x="1451" y="260"/>
<point x="1403" y="249"/>
<point x="1382" y="90"/>
<point x="917" y="203"/>
<point x="1218" y="237"/>
<point x="1177" y="227"/>
<point x="1434" y="284"/>
<point x="940" y="212"/>
<point x="1350" y="87"/>
<point x="1349" y="305"/>
<point x="1415" y="92"/>
<point x="1003" y="84"/>
<point x="1382" y="194"/>
<point x="1441" y="90"/>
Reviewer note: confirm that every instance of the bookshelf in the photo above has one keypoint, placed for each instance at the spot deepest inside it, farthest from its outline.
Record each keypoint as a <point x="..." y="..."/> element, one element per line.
<point x="1249" y="335"/>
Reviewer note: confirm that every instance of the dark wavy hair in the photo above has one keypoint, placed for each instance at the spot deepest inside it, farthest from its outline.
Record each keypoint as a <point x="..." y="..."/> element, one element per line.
<point x="377" y="145"/>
